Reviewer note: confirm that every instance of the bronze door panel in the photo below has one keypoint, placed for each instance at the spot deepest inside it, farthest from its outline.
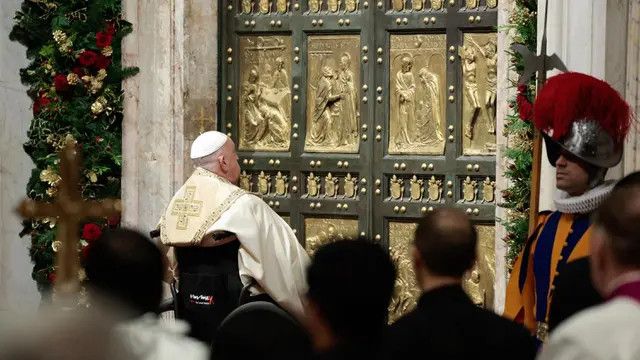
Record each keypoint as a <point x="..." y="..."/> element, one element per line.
<point x="358" y="117"/>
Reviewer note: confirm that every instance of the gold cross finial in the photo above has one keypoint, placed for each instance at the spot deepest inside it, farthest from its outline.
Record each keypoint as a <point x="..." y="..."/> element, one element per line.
<point x="70" y="210"/>
<point x="202" y="119"/>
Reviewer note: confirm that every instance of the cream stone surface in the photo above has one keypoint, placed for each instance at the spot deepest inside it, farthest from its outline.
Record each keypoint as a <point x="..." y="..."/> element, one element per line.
<point x="505" y="91"/>
<point x="176" y="51"/>
<point x="18" y="291"/>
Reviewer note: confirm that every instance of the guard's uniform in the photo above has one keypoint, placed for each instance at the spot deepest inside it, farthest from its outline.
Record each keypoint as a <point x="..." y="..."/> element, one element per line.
<point x="585" y="119"/>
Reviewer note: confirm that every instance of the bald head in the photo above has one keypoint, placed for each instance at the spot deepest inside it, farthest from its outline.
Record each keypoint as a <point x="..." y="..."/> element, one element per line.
<point x="446" y="242"/>
<point x="223" y="162"/>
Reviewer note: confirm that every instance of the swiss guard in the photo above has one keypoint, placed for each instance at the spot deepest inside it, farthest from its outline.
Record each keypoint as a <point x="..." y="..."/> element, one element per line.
<point x="584" y="122"/>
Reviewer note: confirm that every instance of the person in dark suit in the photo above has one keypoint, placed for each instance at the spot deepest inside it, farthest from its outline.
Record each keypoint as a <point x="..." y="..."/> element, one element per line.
<point x="350" y="287"/>
<point x="446" y="324"/>
<point x="574" y="292"/>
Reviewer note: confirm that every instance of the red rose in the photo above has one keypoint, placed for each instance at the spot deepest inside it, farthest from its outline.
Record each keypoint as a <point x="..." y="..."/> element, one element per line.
<point x="40" y="102"/>
<point x="103" y="39"/>
<point x="52" y="277"/>
<point x="113" y="221"/>
<point x="102" y="62"/>
<point x="91" y="232"/>
<point x="525" y="108"/>
<point x="78" y="71"/>
<point x="60" y="82"/>
<point x="111" y="28"/>
<point x="87" y="58"/>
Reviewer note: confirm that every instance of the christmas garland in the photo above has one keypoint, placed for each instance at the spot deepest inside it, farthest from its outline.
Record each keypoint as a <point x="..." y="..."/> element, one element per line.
<point x="519" y="131"/>
<point x="74" y="78"/>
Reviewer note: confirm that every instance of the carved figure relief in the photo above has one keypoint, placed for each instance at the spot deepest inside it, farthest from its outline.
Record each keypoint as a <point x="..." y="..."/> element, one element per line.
<point x="417" y="5"/>
<point x="312" y="185"/>
<point x="265" y="6"/>
<point x="469" y="190"/>
<point x="405" y="92"/>
<point x="416" y="94"/>
<point x="471" y="4"/>
<point x="492" y="3"/>
<point x="398" y="5"/>
<point x="350" y="186"/>
<point x="245" y="181"/>
<point x="330" y="183"/>
<point x="436" y="4"/>
<point x="314" y="5"/>
<point x="429" y="120"/>
<point x="247" y="6"/>
<point x="332" y="104"/>
<point x="319" y="232"/>
<point x="434" y="189"/>
<point x="264" y="102"/>
<point x="281" y="6"/>
<point x="282" y="184"/>
<point x="488" y="190"/>
<point x="416" y="188"/>
<point x="396" y="186"/>
<point x="478" y="283"/>
<point x="264" y="183"/>
<point x="334" y="5"/>
<point x="479" y="69"/>
<point x="406" y="291"/>
<point x="351" y="5"/>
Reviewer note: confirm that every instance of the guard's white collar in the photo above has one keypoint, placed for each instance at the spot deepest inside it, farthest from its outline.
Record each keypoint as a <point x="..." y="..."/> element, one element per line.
<point x="585" y="203"/>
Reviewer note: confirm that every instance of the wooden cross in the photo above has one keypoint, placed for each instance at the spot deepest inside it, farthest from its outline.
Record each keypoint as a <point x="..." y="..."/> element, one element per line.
<point x="70" y="210"/>
<point x="539" y="64"/>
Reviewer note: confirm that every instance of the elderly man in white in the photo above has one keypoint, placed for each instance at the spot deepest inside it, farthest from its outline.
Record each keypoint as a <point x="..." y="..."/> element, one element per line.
<point x="611" y="330"/>
<point x="210" y="212"/>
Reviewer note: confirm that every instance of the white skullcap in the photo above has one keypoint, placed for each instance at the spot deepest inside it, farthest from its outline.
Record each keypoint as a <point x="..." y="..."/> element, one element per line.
<point x="207" y="143"/>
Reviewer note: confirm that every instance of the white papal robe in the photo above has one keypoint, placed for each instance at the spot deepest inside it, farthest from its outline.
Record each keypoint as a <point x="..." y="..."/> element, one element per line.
<point x="609" y="331"/>
<point x="269" y="250"/>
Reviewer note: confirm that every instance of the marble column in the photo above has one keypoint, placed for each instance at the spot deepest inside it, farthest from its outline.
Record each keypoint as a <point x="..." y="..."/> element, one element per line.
<point x="18" y="291"/>
<point x="631" y="161"/>
<point x="504" y="92"/>
<point x="168" y="102"/>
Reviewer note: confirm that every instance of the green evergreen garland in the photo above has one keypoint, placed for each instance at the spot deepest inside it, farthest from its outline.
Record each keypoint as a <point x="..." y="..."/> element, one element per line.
<point x="519" y="131"/>
<point x="74" y="78"/>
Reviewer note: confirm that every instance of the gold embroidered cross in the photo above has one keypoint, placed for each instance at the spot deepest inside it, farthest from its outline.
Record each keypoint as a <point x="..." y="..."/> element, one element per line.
<point x="70" y="210"/>
<point x="186" y="207"/>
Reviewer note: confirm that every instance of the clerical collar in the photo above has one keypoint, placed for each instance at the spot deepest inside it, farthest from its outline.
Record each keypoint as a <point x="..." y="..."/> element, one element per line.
<point x="585" y="203"/>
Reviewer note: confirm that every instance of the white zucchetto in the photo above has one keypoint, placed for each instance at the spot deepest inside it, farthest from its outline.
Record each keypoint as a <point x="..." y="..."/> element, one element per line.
<point x="207" y="143"/>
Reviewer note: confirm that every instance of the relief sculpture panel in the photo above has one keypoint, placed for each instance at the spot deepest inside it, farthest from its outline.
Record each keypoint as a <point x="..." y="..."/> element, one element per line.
<point x="264" y="105"/>
<point x="319" y="232"/>
<point x="478" y="57"/>
<point x="406" y="291"/>
<point x="333" y="78"/>
<point x="478" y="283"/>
<point x="416" y="98"/>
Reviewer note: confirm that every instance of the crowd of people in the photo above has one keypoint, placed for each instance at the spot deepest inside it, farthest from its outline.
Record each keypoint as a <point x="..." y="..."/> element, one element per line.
<point x="248" y="290"/>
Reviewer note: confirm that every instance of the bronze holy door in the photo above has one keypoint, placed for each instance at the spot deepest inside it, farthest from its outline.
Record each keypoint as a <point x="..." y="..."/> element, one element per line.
<point x="357" y="117"/>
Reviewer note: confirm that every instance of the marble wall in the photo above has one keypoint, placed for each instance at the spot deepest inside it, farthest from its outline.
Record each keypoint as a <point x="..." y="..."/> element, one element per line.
<point x="505" y="91"/>
<point x="17" y="290"/>
<point x="168" y="103"/>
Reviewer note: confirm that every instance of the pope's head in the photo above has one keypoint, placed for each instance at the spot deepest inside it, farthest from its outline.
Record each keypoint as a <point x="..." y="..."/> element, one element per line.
<point x="216" y="152"/>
